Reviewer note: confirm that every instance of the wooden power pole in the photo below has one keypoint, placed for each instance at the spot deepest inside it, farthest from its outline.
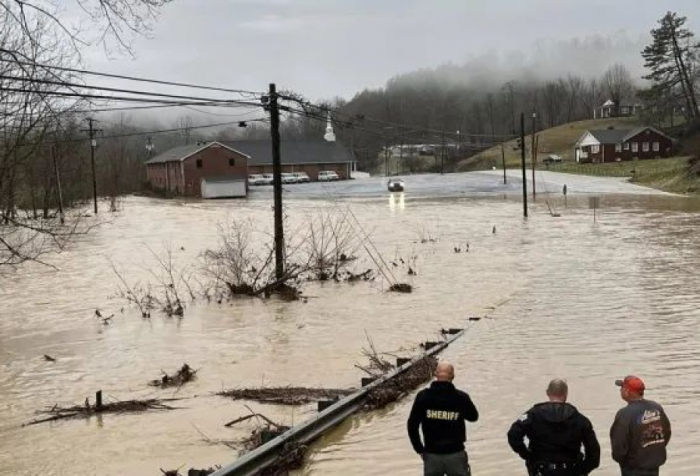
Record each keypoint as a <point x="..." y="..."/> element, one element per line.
<point x="533" y="155"/>
<point x="277" y="182"/>
<point x="58" y="184"/>
<point x="522" y="160"/>
<point x="93" y="144"/>
<point x="503" y="159"/>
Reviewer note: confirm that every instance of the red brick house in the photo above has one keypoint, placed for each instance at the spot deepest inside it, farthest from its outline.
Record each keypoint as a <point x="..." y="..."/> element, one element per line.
<point x="613" y="145"/>
<point x="204" y="169"/>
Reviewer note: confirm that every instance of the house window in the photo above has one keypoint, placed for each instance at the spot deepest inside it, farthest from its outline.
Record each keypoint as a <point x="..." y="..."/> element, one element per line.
<point x="199" y="163"/>
<point x="231" y="162"/>
<point x="635" y="147"/>
<point x="645" y="147"/>
<point x="595" y="149"/>
<point x="656" y="146"/>
<point x="627" y="146"/>
<point x="618" y="147"/>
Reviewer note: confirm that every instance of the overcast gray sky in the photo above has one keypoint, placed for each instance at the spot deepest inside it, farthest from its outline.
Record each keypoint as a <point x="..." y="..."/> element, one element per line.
<point x="327" y="48"/>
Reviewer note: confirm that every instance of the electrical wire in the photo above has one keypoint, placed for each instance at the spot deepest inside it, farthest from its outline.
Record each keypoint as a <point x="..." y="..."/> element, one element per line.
<point x="121" y="98"/>
<point x="361" y="118"/>
<point x="147" y="133"/>
<point x="119" y="76"/>
<point x="120" y="90"/>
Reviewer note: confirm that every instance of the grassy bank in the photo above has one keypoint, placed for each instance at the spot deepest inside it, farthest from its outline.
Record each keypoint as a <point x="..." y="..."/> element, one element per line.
<point x="670" y="175"/>
<point x="558" y="140"/>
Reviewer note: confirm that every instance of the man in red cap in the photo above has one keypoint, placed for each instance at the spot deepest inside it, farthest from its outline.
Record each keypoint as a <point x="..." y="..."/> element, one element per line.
<point x="641" y="431"/>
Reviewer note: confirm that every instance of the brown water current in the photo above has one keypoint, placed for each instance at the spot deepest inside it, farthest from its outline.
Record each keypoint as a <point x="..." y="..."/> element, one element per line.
<point x="564" y="297"/>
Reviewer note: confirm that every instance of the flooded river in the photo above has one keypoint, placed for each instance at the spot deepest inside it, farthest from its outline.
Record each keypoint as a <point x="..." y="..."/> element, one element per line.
<point x="564" y="297"/>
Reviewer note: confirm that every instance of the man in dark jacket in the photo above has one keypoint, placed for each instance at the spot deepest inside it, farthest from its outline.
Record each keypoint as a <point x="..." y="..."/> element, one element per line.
<point x="441" y="410"/>
<point x="640" y="433"/>
<point x="556" y="431"/>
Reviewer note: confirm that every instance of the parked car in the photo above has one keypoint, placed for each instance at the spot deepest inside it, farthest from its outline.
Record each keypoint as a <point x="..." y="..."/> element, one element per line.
<point x="327" y="176"/>
<point x="289" y="178"/>
<point x="302" y="177"/>
<point x="267" y="179"/>
<point x="395" y="185"/>
<point x="256" y="179"/>
<point x="552" y="159"/>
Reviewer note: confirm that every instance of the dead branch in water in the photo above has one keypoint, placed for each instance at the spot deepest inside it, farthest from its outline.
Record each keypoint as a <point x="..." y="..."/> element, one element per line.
<point x="178" y="379"/>
<point x="284" y="395"/>
<point x="401" y="385"/>
<point x="86" y="410"/>
<point x="397" y="387"/>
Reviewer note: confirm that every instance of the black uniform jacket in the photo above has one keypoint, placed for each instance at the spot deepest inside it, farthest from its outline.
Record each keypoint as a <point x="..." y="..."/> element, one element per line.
<point x="556" y="432"/>
<point x="441" y="410"/>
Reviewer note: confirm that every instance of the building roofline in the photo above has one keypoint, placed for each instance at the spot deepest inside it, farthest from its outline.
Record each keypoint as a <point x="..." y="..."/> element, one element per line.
<point x="204" y="146"/>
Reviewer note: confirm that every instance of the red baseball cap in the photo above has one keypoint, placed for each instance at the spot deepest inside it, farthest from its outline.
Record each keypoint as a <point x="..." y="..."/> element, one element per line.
<point x="631" y="382"/>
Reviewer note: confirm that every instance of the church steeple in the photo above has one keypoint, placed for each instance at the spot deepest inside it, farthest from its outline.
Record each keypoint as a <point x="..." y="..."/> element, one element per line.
<point x="329" y="135"/>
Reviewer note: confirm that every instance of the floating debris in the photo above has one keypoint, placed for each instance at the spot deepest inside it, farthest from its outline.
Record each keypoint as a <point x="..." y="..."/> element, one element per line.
<point x="48" y="358"/>
<point x="86" y="410"/>
<point x="365" y="276"/>
<point x="401" y="385"/>
<point x="181" y="377"/>
<point x="401" y="288"/>
<point x="285" y="395"/>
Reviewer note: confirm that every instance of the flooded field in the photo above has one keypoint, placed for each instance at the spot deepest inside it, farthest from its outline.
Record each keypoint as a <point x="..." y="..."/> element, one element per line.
<point x="565" y="297"/>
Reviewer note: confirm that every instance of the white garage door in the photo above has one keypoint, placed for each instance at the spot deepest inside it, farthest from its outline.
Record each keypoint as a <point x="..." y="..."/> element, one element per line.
<point x="223" y="188"/>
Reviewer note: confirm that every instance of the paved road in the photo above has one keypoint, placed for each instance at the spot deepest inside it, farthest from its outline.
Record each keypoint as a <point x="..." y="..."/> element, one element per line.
<point x="463" y="184"/>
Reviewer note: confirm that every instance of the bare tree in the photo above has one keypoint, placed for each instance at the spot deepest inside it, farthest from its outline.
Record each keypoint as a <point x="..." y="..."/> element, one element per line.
<point x="617" y="83"/>
<point x="573" y="86"/>
<point x="591" y="96"/>
<point x="185" y="124"/>
<point x="113" y="21"/>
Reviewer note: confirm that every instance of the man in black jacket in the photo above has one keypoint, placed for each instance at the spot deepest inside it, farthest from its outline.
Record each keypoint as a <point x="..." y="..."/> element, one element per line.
<point x="441" y="410"/>
<point x="640" y="433"/>
<point x="556" y="432"/>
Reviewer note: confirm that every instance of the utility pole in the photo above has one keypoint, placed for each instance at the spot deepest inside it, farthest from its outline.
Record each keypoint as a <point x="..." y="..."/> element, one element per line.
<point x="58" y="184"/>
<point x="442" y="155"/>
<point x="503" y="159"/>
<point x="93" y="144"/>
<point x="398" y="164"/>
<point x="522" y="160"/>
<point x="277" y="182"/>
<point x="533" y="154"/>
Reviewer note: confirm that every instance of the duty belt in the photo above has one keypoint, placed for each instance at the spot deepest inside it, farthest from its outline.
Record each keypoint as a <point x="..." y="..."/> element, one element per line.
<point x="545" y="466"/>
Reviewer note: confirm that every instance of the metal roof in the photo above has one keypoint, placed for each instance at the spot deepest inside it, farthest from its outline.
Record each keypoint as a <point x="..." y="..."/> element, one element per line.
<point x="294" y="151"/>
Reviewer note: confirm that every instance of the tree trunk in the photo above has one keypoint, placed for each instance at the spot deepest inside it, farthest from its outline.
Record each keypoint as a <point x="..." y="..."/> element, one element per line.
<point x="686" y="83"/>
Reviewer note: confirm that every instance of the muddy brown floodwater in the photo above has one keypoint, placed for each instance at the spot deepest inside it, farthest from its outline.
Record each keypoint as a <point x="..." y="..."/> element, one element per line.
<point x="564" y="298"/>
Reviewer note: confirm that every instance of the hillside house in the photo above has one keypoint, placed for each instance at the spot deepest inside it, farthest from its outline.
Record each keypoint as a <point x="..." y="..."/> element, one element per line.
<point x="615" y="145"/>
<point x="204" y="169"/>
<point x="608" y="110"/>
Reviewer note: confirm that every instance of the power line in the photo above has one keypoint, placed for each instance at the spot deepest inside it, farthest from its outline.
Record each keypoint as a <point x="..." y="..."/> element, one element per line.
<point x="350" y="126"/>
<point x="362" y="118"/>
<point x="145" y="133"/>
<point x="123" y="98"/>
<point x="120" y="90"/>
<point x="128" y="78"/>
